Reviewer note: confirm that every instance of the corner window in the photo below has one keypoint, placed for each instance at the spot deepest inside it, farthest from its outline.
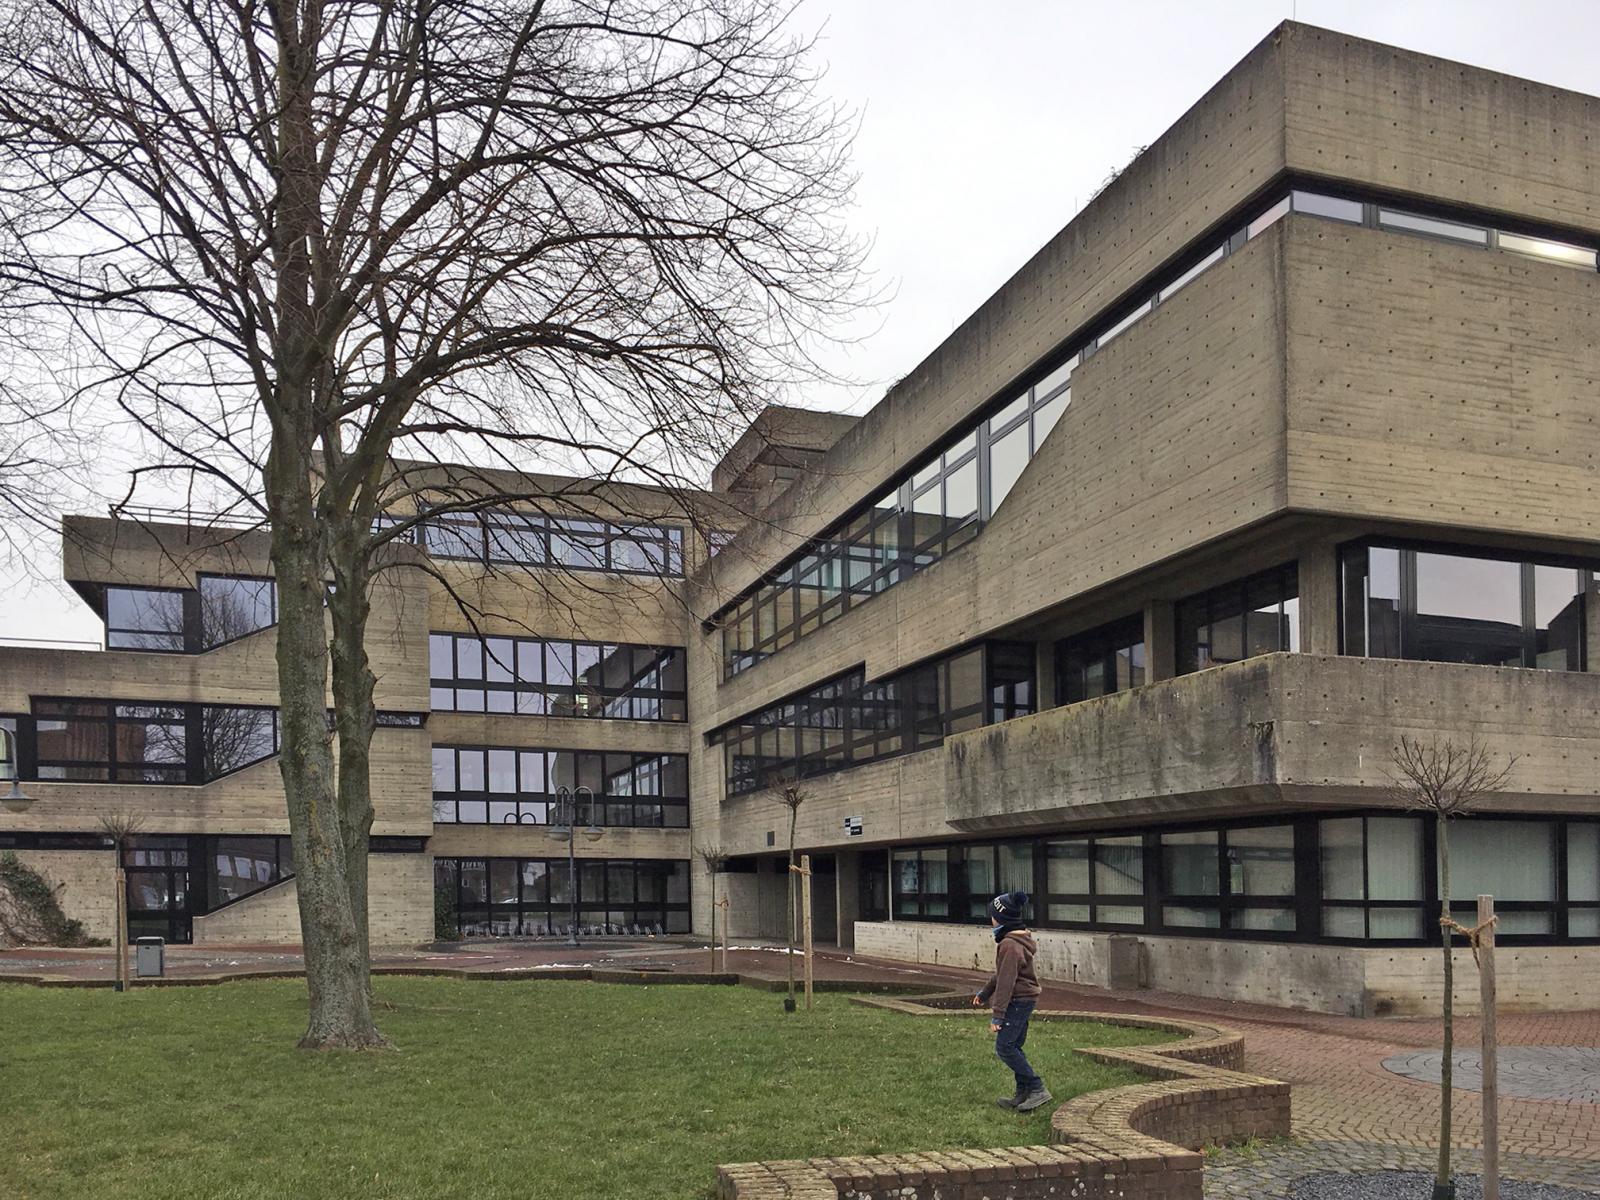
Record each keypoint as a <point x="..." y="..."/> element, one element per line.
<point x="1440" y="605"/>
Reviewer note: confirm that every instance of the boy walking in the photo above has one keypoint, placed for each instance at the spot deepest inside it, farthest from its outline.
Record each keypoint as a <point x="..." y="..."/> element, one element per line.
<point x="1011" y="993"/>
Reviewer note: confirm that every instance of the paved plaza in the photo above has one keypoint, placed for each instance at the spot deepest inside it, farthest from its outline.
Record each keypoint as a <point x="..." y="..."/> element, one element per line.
<point x="1362" y="1096"/>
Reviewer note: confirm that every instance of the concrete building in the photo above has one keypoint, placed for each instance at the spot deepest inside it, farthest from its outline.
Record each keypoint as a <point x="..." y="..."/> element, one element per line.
<point x="1283" y="448"/>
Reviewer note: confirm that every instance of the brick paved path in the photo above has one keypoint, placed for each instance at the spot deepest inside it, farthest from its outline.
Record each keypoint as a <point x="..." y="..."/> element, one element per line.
<point x="1270" y="1173"/>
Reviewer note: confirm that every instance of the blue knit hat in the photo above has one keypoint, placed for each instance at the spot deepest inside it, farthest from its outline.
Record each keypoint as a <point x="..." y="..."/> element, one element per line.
<point x="1008" y="906"/>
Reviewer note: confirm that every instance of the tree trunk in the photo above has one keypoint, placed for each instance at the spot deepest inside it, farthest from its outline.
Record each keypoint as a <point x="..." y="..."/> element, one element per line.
<point x="355" y="718"/>
<point x="793" y="817"/>
<point x="714" y="922"/>
<point x="336" y="968"/>
<point x="1447" y="1064"/>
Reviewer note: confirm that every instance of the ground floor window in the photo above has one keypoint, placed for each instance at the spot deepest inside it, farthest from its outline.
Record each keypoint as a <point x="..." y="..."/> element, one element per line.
<point x="1365" y="877"/>
<point x="534" y="897"/>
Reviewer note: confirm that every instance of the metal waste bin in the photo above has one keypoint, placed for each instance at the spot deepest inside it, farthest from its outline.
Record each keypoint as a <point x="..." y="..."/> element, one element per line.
<point x="149" y="957"/>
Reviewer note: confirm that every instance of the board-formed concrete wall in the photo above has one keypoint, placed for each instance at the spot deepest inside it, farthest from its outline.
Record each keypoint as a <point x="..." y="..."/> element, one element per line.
<point x="399" y="908"/>
<point x="87" y="881"/>
<point x="1348" y="980"/>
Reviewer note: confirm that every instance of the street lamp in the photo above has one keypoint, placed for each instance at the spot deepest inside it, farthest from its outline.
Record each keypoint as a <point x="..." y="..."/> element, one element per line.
<point x="566" y="801"/>
<point x="15" y="799"/>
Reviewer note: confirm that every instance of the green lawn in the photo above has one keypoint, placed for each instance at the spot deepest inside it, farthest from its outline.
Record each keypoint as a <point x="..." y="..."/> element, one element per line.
<point x="527" y="1089"/>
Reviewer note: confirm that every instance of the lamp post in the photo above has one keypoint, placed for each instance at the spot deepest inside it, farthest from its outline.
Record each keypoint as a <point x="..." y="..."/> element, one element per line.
<point x="567" y="802"/>
<point x="15" y="799"/>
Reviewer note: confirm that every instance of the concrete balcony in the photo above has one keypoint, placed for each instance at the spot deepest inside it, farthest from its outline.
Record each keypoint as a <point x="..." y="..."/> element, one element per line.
<point x="1275" y="733"/>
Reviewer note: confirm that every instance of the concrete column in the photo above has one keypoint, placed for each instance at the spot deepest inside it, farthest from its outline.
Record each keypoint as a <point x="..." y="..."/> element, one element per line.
<point x="1591" y="631"/>
<point x="1044" y="669"/>
<point x="1160" y="641"/>
<point x="1319" y="598"/>
<point x="847" y="885"/>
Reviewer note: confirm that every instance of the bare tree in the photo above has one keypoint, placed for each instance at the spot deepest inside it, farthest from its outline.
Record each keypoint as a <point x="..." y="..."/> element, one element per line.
<point x="1446" y="780"/>
<point x="120" y="829"/>
<point x="314" y="249"/>
<point x="715" y="862"/>
<point x="791" y="795"/>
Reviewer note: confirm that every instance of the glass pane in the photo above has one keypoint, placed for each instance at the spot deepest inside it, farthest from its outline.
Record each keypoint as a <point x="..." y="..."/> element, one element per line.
<point x="1191" y="863"/>
<point x="1119" y="914"/>
<point x="1007" y="458"/>
<point x="1199" y="918"/>
<point x="1016" y="867"/>
<point x="1509" y="860"/>
<point x="144" y="619"/>
<point x="1583" y="923"/>
<point x="1328" y="206"/>
<point x="1261" y="861"/>
<point x="1400" y="923"/>
<point x="1119" y="866"/>
<point x="1069" y="912"/>
<point x="1267" y="219"/>
<point x="1558" y="618"/>
<point x="1276" y="920"/>
<point x="1394" y="858"/>
<point x="1067" y="868"/>
<point x="1046" y="416"/>
<point x="1583" y="860"/>
<point x="1009" y="413"/>
<point x="1343" y="868"/>
<point x="231" y="608"/>
<point x="961" y="492"/>
<point x="1433" y="226"/>
<point x="1561" y="252"/>
<point x="1344" y="922"/>
<point x="441" y="656"/>
<point x="1468" y="610"/>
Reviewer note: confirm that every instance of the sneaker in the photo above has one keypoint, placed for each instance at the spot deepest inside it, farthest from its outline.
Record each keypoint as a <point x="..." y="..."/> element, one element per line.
<point x="1011" y="1101"/>
<point x="1034" y="1099"/>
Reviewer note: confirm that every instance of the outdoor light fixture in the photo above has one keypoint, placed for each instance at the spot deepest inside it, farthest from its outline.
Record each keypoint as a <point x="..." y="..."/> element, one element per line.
<point x="15" y="799"/>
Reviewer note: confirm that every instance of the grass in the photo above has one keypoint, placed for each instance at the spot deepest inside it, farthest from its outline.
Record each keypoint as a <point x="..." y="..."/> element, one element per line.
<point x="528" y="1090"/>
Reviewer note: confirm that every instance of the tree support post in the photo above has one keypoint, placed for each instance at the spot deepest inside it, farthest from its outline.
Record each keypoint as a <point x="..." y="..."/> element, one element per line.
<point x="805" y="920"/>
<point x="1491" y="1066"/>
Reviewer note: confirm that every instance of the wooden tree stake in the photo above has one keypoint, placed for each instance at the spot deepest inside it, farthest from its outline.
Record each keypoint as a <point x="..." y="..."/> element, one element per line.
<point x="805" y="911"/>
<point x="1491" y="1066"/>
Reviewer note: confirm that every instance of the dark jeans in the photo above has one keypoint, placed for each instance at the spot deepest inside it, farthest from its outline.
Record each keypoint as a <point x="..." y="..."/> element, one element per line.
<point x="1008" y="1044"/>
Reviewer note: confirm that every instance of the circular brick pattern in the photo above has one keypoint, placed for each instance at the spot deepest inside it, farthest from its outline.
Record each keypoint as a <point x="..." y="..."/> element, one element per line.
<point x="1527" y="1072"/>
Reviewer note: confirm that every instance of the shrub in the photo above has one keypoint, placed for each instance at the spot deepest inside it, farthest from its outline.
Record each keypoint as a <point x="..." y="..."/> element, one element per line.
<point x="30" y="908"/>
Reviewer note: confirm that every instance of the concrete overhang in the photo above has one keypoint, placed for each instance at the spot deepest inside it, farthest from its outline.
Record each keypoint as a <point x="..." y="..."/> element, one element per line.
<point x="1280" y="732"/>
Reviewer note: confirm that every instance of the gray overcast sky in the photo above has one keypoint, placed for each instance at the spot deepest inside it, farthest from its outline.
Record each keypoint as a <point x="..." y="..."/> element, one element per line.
<point x="985" y="127"/>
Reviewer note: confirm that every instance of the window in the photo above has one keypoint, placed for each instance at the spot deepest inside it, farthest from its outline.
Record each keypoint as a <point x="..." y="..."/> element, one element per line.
<point x="1513" y="861"/>
<point x="847" y="722"/>
<point x="1102" y="661"/>
<point x="1095" y="881"/>
<point x="525" y="539"/>
<point x="1583" y="879"/>
<point x="220" y="609"/>
<point x="1259" y="615"/>
<point x="145" y="619"/>
<point x="928" y="511"/>
<point x="921" y="880"/>
<point x="1373" y="884"/>
<point x="1239" y="879"/>
<point x="533" y="897"/>
<point x="1438" y="605"/>
<point x="519" y="786"/>
<point x="556" y="678"/>
<point x="232" y="607"/>
<point x="91" y="741"/>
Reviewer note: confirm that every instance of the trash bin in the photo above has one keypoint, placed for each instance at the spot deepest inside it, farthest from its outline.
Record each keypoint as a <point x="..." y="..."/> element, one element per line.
<point x="149" y="957"/>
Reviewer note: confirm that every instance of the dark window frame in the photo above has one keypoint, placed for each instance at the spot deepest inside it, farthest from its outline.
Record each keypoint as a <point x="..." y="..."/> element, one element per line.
<point x="550" y="915"/>
<point x="1408" y="617"/>
<point x="527" y="801"/>
<point x="499" y="655"/>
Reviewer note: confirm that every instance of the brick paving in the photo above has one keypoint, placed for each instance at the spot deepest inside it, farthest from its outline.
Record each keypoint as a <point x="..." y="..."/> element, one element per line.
<point x="1271" y="1173"/>
<point x="1528" y="1072"/>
